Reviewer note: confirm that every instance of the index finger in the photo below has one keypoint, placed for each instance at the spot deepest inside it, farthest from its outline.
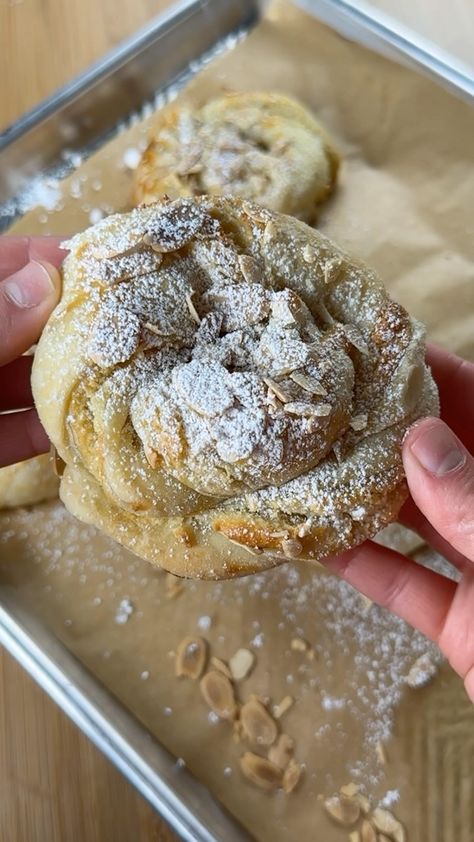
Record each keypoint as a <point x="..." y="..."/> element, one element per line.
<point x="16" y="252"/>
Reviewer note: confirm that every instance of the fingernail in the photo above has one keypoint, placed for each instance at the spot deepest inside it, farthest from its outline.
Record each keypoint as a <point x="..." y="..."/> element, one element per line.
<point x="30" y="286"/>
<point x="437" y="450"/>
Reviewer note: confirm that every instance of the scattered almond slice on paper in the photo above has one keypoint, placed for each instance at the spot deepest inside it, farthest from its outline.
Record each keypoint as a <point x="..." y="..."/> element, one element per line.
<point x="191" y="656"/>
<point x="385" y="822"/>
<point x="218" y="693"/>
<point x="368" y="832"/>
<point x="292" y="776"/>
<point x="282" y="707"/>
<point x="258" y="725"/>
<point x="221" y="666"/>
<point x="261" y="771"/>
<point x="343" y="810"/>
<point x="241" y="664"/>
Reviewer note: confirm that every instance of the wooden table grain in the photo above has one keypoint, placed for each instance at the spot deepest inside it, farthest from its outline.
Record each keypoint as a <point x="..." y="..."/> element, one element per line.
<point x="55" y="786"/>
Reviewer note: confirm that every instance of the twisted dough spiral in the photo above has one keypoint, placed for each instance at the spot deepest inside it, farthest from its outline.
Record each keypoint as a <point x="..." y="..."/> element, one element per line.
<point x="233" y="388"/>
<point x="259" y="146"/>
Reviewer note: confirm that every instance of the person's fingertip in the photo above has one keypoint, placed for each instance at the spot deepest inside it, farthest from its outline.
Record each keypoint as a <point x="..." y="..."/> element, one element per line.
<point x="39" y="440"/>
<point x="33" y="285"/>
<point x="434" y="447"/>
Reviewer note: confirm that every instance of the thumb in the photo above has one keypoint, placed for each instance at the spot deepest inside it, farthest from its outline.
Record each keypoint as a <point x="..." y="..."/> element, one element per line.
<point x="26" y="299"/>
<point x="440" y="474"/>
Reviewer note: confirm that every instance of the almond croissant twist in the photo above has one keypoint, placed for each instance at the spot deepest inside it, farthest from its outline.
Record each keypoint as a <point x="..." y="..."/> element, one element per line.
<point x="232" y="391"/>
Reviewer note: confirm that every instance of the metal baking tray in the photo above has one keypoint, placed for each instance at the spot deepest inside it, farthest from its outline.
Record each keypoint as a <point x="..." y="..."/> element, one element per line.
<point x="80" y="117"/>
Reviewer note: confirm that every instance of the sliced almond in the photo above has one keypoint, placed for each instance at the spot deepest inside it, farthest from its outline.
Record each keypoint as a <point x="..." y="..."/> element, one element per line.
<point x="345" y="811"/>
<point x="151" y="456"/>
<point x="192" y="310"/>
<point x="218" y="693"/>
<point x="221" y="666"/>
<point x="299" y="644"/>
<point x="191" y="656"/>
<point x="363" y="802"/>
<point x="292" y="776"/>
<point x="58" y="463"/>
<point x="359" y="422"/>
<point x="386" y="823"/>
<point x="308" y="253"/>
<point x="381" y="753"/>
<point x="356" y="339"/>
<point x="308" y="410"/>
<point x="251" y="270"/>
<point x="281" y="753"/>
<point x="251" y="550"/>
<point x="291" y="547"/>
<point x="261" y="771"/>
<point x="422" y="671"/>
<point x="280" y="709"/>
<point x="349" y="789"/>
<point x="275" y="388"/>
<point x="258" y="725"/>
<point x="241" y="664"/>
<point x="367" y="832"/>
<point x="309" y="384"/>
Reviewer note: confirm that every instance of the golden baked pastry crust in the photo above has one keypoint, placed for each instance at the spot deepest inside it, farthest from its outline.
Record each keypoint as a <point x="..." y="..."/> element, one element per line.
<point x="233" y="389"/>
<point x="28" y="482"/>
<point x="259" y="146"/>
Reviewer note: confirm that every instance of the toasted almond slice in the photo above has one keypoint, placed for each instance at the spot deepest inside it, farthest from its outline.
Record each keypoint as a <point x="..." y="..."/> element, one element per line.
<point x="363" y="802"/>
<point x="151" y="456"/>
<point x="309" y="384"/>
<point x="345" y="811"/>
<point x="359" y="422"/>
<point x="241" y="664"/>
<point x="275" y="388"/>
<point x="320" y="410"/>
<point x="58" y="463"/>
<point x="258" y="725"/>
<point x="367" y="832"/>
<point x="218" y="692"/>
<point x="356" y="339"/>
<point x="251" y="270"/>
<point x="421" y="671"/>
<point x="349" y="789"/>
<point x="192" y="310"/>
<point x="221" y="666"/>
<point x="156" y="330"/>
<point x="281" y="753"/>
<point x="251" y="550"/>
<point x="308" y="253"/>
<point x="191" y="656"/>
<point x="261" y="771"/>
<point x="381" y="753"/>
<point x="299" y="644"/>
<point x="292" y="776"/>
<point x="286" y="703"/>
<point x="291" y="547"/>
<point x="386" y="823"/>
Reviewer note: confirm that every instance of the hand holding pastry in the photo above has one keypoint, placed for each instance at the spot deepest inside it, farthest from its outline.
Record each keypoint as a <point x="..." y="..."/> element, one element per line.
<point x="29" y="290"/>
<point x="440" y="471"/>
<point x="229" y="389"/>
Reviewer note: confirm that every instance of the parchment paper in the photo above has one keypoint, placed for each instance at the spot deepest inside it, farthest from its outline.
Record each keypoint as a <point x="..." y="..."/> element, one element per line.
<point x="405" y="204"/>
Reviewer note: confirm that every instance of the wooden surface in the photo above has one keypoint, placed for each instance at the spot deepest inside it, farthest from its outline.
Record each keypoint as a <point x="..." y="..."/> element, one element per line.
<point x="55" y="786"/>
